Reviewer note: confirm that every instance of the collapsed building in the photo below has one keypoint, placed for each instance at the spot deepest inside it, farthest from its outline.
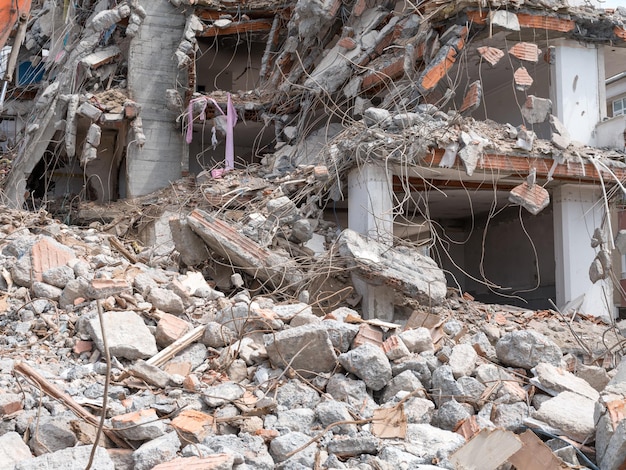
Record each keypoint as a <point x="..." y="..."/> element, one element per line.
<point x="475" y="133"/>
<point x="286" y="232"/>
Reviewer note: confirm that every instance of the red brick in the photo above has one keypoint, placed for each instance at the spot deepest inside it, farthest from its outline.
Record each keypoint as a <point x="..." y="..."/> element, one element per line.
<point x="522" y="78"/>
<point x="46" y="254"/>
<point x="82" y="346"/>
<point x="131" y="109"/>
<point x="178" y="368"/>
<point x="472" y="98"/>
<point x="620" y="32"/>
<point x="191" y="383"/>
<point x="477" y="16"/>
<point x="526" y="51"/>
<point x="133" y="419"/>
<point x="387" y="73"/>
<point x="395" y="348"/>
<point x="368" y="334"/>
<point x="169" y="329"/>
<point x="534" y="199"/>
<point x="347" y="43"/>
<point x="267" y="434"/>
<point x="212" y="462"/>
<point x="490" y="54"/>
<point x="193" y="425"/>
<point x="545" y="22"/>
<point x="103" y="288"/>
<point x="436" y="71"/>
<point x="10" y="403"/>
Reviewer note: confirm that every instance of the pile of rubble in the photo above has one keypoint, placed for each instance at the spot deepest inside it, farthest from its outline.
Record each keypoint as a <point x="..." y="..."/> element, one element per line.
<point x="185" y="375"/>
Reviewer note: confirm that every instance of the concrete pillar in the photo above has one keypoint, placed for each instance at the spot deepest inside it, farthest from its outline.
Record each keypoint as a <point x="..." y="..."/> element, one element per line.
<point x="152" y="69"/>
<point x="370" y="212"/>
<point x="577" y="213"/>
<point x="577" y="87"/>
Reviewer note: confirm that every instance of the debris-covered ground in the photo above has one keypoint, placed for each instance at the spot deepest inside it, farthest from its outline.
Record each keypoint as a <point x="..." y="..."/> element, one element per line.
<point x="205" y="372"/>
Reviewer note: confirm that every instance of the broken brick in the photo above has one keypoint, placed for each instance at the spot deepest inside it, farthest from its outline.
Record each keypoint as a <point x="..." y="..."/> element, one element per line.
<point x="10" y="403"/>
<point x="46" y="254"/>
<point x="525" y="51"/>
<point x="472" y="98"/>
<point x="442" y="63"/>
<point x="169" y="329"/>
<point x="267" y="434"/>
<point x="395" y="348"/>
<point x="139" y="425"/>
<point x="347" y="43"/>
<point x="545" y="22"/>
<point x="368" y="334"/>
<point x="523" y="80"/>
<point x="359" y="7"/>
<point x="490" y="54"/>
<point x="191" y="383"/>
<point x="178" y="368"/>
<point x="194" y="425"/>
<point x="82" y="346"/>
<point x="534" y="199"/>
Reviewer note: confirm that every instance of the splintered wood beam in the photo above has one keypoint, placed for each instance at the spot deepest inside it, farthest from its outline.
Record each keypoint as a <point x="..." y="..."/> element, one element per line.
<point x="261" y="25"/>
<point x="523" y="164"/>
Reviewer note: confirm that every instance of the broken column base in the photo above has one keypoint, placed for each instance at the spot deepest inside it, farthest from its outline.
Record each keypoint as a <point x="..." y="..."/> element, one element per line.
<point x="376" y="301"/>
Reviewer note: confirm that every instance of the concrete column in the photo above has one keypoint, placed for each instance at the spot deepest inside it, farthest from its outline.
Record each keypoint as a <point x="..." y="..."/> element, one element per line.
<point x="152" y="69"/>
<point x="370" y="212"/>
<point x="577" y="213"/>
<point x="577" y="87"/>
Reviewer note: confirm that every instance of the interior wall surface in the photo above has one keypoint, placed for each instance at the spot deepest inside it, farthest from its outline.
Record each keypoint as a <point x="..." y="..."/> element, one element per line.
<point x="513" y="250"/>
<point x="502" y="102"/>
<point x="231" y="64"/>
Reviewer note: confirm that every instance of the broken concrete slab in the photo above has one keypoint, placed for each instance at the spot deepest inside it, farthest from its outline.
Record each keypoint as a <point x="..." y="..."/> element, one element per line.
<point x="554" y="380"/>
<point x="404" y="269"/>
<point x="560" y="136"/>
<point x="221" y="237"/>
<point x="570" y="413"/>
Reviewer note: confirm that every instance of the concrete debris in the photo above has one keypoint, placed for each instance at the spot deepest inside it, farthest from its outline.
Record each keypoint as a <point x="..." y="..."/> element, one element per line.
<point x="379" y="391"/>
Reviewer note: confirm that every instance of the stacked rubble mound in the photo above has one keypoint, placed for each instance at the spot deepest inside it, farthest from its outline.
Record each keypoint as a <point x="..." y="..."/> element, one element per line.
<point x="188" y="377"/>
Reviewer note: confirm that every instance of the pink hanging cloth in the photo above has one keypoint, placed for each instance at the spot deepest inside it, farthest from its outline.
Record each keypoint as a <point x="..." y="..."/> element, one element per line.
<point x="231" y="120"/>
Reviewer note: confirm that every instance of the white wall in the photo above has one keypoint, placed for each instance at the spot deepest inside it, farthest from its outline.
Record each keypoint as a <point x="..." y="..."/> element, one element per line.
<point x="577" y="76"/>
<point x="610" y="133"/>
<point x="577" y="213"/>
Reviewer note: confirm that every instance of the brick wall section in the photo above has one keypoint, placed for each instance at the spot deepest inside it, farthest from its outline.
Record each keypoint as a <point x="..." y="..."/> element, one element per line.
<point x="153" y="69"/>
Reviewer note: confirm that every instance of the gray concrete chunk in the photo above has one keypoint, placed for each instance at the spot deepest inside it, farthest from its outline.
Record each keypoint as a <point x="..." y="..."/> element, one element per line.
<point x="72" y="458"/>
<point x="527" y="349"/>
<point x="127" y="335"/>
<point x="296" y="347"/>
<point x="369" y="363"/>
<point x="12" y="450"/>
